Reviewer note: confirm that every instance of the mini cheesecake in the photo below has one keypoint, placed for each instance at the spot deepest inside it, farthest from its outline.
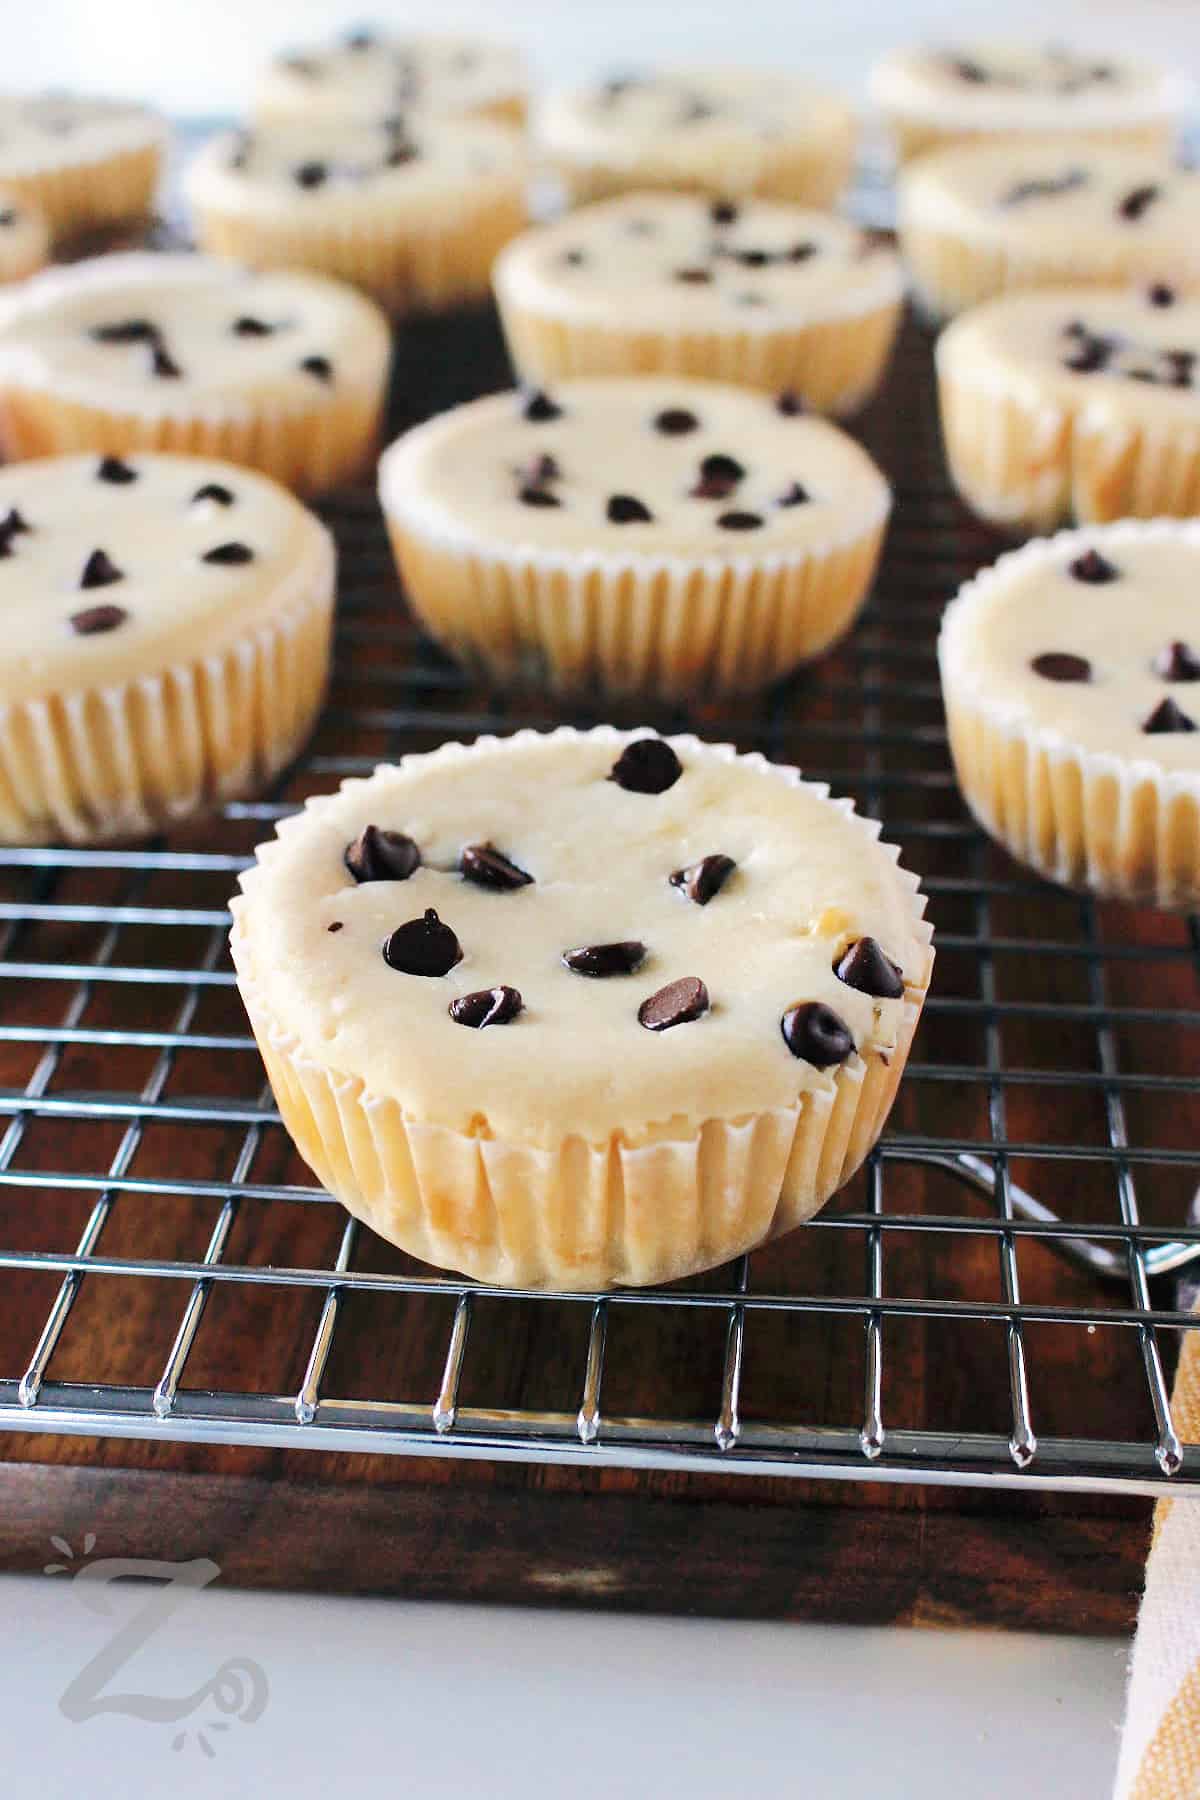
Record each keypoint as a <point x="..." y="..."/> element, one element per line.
<point x="85" y="164"/>
<point x="585" y="1008"/>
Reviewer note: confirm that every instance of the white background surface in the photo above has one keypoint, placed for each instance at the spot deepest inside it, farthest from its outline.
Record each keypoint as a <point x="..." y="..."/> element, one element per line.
<point x="400" y="1698"/>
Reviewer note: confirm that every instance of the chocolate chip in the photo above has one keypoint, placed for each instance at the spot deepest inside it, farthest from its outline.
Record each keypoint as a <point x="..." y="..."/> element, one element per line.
<point x="601" y="960"/>
<point x="360" y="40"/>
<point x="1177" y="662"/>
<point x="815" y="1034"/>
<point x="969" y="71"/>
<point x="701" y="880"/>
<point x="676" y="1004"/>
<point x="319" y="366"/>
<point x="94" y="619"/>
<point x="1061" y="665"/>
<point x="125" y="331"/>
<point x="693" y="276"/>
<point x="100" y="571"/>
<point x="647" y="766"/>
<point x="540" y="408"/>
<point x="789" y="404"/>
<point x="111" y="468"/>
<point x="213" y="490"/>
<point x="750" y="259"/>
<point x="739" y="521"/>
<point x="8" y="217"/>
<point x="531" y="495"/>
<point x="1167" y="717"/>
<point x="1093" y="568"/>
<point x="795" y="495"/>
<point x="676" y="421"/>
<point x="487" y="1006"/>
<point x="721" y="468"/>
<point x="1159" y="294"/>
<point x="723" y="212"/>
<point x="1138" y="200"/>
<point x="401" y="152"/>
<point x="423" y="947"/>
<point x="248" y="326"/>
<point x="1046" y="188"/>
<point x="865" y="966"/>
<point x="1091" y="356"/>
<point x="311" y="175"/>
<point x="378" y="855"/>
<point x="488" y="867"/>
<point x="11" y="526"/>
<point x="232" y="554"/>
<point x="627" y="509"/>
<point x="574" y="259"/>
<point x="541" y="469"/>
<point x="162" y="363"/>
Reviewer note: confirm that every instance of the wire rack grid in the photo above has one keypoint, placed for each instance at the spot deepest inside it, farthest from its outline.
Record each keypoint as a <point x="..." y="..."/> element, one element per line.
<point x="925" y="1327"/>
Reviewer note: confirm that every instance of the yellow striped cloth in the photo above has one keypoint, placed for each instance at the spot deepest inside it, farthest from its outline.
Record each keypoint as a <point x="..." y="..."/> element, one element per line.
<point x="1160" y="1744"/>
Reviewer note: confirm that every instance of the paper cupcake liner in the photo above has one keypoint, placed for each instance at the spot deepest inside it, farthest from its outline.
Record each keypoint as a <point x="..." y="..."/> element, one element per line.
<point x="672" y="627"/>
<point x="407" y="262"/>
<point x="1021" y="460"/>
<point x="308" y="449"/>
<point x="913" y="134"/>
<point x="836" y="363"/>
<point x="952" y="270"/>
<point x="1116" y="825"/>
<point x="133" y="757"/>
<point x="805" y="173"/>
<point x="78" y="197"/>
<point x="579" y="1214"/>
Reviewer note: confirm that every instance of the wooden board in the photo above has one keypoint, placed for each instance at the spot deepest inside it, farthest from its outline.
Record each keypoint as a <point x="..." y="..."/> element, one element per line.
<point x="720" y="1544"/>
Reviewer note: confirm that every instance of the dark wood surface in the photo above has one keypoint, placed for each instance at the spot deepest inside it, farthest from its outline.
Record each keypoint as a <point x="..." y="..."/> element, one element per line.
<point x="536" y="1534"/>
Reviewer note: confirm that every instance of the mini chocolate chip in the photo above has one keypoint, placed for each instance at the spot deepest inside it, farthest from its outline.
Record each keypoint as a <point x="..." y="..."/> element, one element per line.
<point x="213" y="490"/>
<point x="539" y="408"/>
<point x="162" y="363"/>
<point x="739" y="521"/>
<point x="627" y="509"/>
<point x="125" y="331"/>
<point x="1177" y="662"/>
<point x="360" y="40"/>
<point x="1093" y="568"/>
<point x="865" y="966"/>
<point x="693" y="276"/>
<point x="94" y="619"/>
<point x="311" y="175"/>
<point x="795" y="495"/>
<point x="1159" y="294"/>
<point x="1061" y="665"/>
<point x="111" y="468"/>
<point x="319" y="366"/>
<point x="1091" y="356"/>
<point x="601" y="960"/>
<point x="11" y="526"/>
<point x="815" y="1034"/>
<point x="541" y="469"/>
<point x="721" y="468"/>
<point x="723" y="212"/>
<point x="1167" y="717"/>
<point x="676" y="421"/>
<point x="750" y="259"/>
<point x="789" y="404"/>
<point x="401" y="152"/>
<point x="969" y="71"/>
<point x="1138" y="200"/>
<point x="378" y="855"/>
<point x="8" y="217"/>
<point x="676" y="1004"/>
<point x="712" y="487"/>
<point x="486" y="1006"/>
<point x="574" y="259"/>
<point x="248" y="326"/>
<point x="646" y="766"/>
<point x="488" y="867"/>
<point x="231" y="553"/>
<point x="531" y="495"/>
<point x="701" y="880"/>
<point x="423" y="947"/>
<point x="100" y="571"/>
<point x="802" y="252"/>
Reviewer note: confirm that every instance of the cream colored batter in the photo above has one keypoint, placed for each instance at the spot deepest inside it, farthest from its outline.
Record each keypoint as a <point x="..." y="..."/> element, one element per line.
<point x="809" y="882"/>
<point x="1003" y="86"/>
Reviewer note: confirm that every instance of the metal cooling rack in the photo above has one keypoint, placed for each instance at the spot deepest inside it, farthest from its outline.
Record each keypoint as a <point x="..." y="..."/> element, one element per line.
<point x="115" y="989"/>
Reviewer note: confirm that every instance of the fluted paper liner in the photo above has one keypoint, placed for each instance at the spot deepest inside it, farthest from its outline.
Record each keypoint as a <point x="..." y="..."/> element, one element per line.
<point x="667" y="625"/>
<point x="133" y="757"/>
<point x="913" y="133"/>
<point x="807" y="174"/>
<point x="836" y="363"/>
<point x="632" y="1210"/>
<point x="1022" y="459"/>
<point x="112" y="189"/>
<point x="1120" y="826"/>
